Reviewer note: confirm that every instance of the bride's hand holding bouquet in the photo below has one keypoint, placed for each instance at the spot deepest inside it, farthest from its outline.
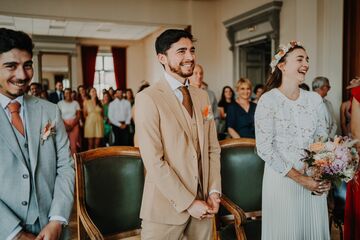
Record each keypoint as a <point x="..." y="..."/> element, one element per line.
<point x="332" y="161"/>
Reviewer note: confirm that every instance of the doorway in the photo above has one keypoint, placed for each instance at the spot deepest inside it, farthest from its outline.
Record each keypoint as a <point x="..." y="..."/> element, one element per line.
<point x="254" y="60"/>
<point x="54" y="67"/>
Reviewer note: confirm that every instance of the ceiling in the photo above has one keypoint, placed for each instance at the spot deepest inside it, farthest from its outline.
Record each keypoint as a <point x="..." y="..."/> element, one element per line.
<point x="74" y="28"/>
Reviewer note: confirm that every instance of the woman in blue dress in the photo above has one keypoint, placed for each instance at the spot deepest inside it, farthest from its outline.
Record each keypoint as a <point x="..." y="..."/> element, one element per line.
<point x="240" y="114"/>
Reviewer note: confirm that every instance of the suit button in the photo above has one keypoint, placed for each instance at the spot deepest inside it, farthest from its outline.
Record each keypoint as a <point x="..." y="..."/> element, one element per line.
<point x="26" y="145"/>
<point x="24" y="203"/>
<point x="25" y="176"/>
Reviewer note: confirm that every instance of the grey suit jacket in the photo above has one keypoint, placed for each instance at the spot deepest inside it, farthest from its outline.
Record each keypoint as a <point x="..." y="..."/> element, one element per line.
<point x="52" y="168"/>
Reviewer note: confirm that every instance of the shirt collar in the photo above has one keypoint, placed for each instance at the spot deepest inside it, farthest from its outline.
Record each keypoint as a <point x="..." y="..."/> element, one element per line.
<point x="4" y="100"/>
<point x="175" y="84"/>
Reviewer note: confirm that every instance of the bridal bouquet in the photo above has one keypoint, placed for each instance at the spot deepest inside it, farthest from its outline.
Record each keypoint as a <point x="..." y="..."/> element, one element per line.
<point x="334" y="161"/>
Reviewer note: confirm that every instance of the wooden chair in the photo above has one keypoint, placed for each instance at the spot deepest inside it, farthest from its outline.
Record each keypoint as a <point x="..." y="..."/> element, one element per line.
<point x="241" y="176"/>
<point x="109" y="185"/>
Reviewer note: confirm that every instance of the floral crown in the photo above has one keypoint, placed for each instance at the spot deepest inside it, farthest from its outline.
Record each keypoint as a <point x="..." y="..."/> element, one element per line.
<point x="283" y="49"/>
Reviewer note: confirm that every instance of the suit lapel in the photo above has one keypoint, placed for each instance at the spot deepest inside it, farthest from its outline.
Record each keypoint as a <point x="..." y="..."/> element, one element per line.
<point x="33" y="119"/>
<point x="170" y="99"/>
<point x="199" y="118"/>
<point x="8" y="135"/>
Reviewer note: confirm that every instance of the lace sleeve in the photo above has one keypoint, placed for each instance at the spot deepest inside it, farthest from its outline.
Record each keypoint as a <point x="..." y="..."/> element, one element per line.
<point x="265" y="135"/>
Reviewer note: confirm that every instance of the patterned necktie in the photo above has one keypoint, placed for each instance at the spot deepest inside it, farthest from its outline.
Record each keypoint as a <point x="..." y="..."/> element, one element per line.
<point x="187" y="100"/>
<point x="14" y="109"/>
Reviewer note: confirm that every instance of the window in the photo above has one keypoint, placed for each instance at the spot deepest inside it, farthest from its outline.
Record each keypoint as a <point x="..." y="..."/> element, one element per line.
<point x="104" y="73"/>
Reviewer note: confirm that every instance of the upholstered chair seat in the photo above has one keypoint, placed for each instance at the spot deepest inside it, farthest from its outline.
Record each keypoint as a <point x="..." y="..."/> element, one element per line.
<point x="109" y="192"/>
<point x="241" y="175"/>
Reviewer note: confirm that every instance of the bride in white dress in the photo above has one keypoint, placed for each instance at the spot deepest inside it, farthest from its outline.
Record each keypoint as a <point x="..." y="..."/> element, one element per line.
<point x="287" y="120"/>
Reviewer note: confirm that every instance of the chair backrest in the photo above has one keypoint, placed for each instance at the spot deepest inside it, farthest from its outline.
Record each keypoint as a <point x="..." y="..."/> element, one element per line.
<point x="242" y="173"/>
<point x="109" y="186"/>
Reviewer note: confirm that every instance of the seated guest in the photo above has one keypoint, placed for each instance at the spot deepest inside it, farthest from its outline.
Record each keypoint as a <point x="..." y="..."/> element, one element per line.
<point x="227" y="97"/>
<point x="58" y="95"/>
<point x="258" y="91"/>
<point x="120" y="117"/>
<point x="70" y="113"/>
<point x="94" y="122"/>
<point x="240" y="115"/>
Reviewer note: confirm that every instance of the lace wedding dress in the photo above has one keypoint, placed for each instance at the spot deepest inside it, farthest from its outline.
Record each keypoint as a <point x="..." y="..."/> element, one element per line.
<point x="284" y="128"/>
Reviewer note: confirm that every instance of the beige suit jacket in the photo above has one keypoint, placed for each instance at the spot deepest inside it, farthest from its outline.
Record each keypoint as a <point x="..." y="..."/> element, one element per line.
<point x="169" y="153"/>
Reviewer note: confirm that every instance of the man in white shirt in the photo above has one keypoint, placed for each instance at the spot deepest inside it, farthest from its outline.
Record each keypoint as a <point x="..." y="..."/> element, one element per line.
<point x="321" y="85"/>
<point x="120" y="117"/>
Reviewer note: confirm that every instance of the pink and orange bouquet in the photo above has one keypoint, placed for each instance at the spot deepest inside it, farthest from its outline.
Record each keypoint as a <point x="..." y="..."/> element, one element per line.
<point x="334" y="161"/>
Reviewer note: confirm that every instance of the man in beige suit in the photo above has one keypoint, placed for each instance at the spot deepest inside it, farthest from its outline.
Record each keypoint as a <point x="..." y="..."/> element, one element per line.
<point x="179" y="147"/>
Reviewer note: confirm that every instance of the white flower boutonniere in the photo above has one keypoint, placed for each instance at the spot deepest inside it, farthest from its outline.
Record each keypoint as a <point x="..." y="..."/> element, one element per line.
<point x="49" y="130"/>
<point x="207" y="113"/>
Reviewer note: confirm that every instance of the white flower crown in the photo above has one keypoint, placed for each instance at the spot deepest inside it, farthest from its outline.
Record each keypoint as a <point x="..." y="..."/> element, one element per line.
<point x="283" y="49"/>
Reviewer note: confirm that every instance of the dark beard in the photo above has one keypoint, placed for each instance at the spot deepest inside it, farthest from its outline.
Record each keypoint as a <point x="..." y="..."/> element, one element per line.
<point x="180" y="73"/>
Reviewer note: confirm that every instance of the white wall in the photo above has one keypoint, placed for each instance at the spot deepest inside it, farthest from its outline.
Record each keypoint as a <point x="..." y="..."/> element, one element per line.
<point x="318" y="24"/>
<point x="153" y="69"/>
<point x="163" y="12"/>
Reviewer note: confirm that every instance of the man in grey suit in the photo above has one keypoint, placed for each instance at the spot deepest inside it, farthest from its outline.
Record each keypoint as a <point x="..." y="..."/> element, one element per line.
<point x="36" y="169"/>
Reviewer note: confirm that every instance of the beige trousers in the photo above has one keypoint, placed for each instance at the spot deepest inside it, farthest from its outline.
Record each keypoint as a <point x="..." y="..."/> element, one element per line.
<point x="193" y="229"/>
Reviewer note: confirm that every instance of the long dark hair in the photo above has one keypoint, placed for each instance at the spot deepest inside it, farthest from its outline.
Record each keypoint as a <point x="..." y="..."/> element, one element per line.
<point x="275" y="78"/>
<point x="97" y="101"/>
<point x="223" y="99"/>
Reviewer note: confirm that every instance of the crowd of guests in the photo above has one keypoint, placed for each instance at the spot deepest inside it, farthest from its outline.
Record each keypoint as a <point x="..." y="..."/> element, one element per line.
<point x="89" y="121"/>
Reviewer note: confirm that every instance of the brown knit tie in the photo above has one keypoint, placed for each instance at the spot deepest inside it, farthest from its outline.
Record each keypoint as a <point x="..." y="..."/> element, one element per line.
<point x="187" y="100"/>
<point x="14" y="109"/>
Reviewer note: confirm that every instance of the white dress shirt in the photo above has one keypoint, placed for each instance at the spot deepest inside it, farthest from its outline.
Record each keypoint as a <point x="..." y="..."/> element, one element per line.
<point x="175" y="86"/>
<point x="120" y="111"/>
<point x="330" y="118"/>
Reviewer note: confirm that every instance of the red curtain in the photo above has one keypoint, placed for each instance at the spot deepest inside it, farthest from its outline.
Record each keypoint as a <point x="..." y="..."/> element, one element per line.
<point x="88" y="60"/>
<point x="119" y="56"/>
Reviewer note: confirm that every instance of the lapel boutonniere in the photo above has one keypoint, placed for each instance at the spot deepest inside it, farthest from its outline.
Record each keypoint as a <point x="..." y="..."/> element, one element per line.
<point x="207" y="113"/>
<point x="49" y="130"/>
